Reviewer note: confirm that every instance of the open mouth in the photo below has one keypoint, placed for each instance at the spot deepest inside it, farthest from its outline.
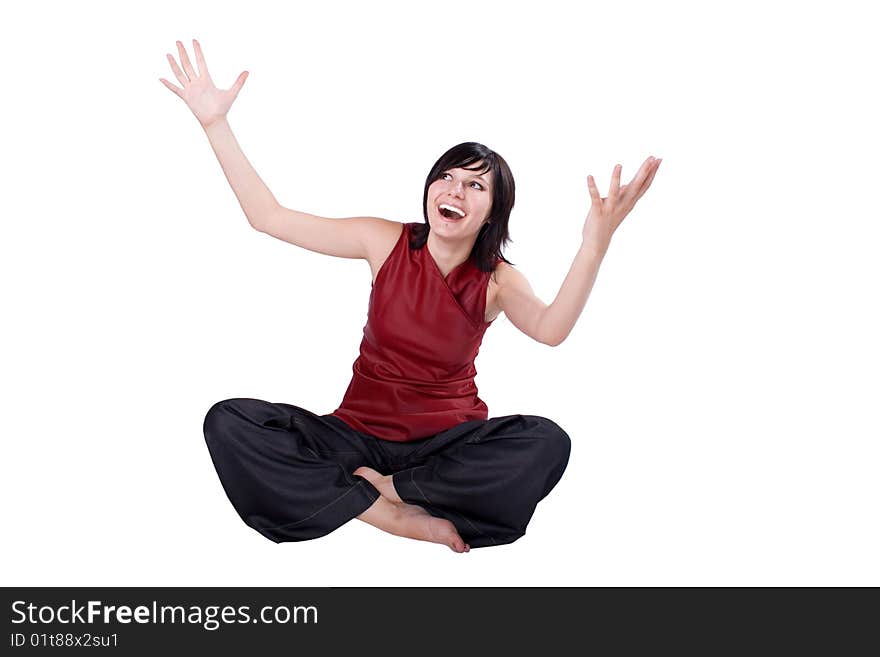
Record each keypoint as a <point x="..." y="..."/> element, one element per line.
<point x="450" y="213"/>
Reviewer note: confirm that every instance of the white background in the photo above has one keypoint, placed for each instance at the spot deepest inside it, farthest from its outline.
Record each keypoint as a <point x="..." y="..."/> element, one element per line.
<point x="720" y="387"/>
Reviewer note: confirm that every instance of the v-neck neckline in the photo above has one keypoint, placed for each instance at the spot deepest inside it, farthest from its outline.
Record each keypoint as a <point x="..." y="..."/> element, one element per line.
<point x="437" y="267"/>
<point x="475" y="324"/>
<point x="452" y="294"/>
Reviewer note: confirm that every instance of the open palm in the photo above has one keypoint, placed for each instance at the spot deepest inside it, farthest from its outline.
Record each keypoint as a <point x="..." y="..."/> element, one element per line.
<point x="607" y="212"/>
<point x="206" y="101"/>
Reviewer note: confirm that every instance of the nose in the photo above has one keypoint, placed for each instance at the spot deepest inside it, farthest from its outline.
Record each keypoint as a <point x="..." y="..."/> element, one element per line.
<point x="457" y="189"/>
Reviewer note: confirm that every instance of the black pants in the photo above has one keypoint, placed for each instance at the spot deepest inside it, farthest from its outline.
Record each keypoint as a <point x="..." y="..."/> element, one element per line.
<point x="288" y="472"/>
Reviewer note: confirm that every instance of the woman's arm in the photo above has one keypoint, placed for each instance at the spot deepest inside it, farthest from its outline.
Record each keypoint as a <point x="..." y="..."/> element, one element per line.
<point x="354" y="237"/>
<point x="254" y="197"/>
<point x="552" y="324"/>
<point x="561" y="315"/>
<point x="351" y="237"/>
<point x="210" y="106"/>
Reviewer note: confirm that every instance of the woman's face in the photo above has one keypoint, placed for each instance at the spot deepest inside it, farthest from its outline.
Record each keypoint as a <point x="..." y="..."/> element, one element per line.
<point x="468" y="191"/>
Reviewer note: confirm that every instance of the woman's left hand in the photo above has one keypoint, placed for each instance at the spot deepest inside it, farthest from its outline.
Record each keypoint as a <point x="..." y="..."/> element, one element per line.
<point x="607" y="213"/>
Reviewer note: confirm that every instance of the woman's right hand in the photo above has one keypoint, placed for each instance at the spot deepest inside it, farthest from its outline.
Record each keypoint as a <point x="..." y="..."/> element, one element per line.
<point x="207" y="102"/>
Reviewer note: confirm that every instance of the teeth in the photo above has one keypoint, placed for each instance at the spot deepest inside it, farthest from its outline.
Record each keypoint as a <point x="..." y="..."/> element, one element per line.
<point x="453" y="208"/>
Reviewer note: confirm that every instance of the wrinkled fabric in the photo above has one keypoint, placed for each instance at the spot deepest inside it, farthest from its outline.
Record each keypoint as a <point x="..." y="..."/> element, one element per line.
<point x="288" y="472"/>
<point x="414" y="376"/>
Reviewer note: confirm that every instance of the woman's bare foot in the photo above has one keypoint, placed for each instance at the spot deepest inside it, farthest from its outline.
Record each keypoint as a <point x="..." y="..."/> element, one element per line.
<point x="383" y="483"/>
<point x="435" y="530"/>
<point x="411" y="521"/>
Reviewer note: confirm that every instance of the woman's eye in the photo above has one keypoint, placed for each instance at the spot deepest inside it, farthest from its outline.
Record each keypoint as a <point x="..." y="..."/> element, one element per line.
<point x="445" y="176"/>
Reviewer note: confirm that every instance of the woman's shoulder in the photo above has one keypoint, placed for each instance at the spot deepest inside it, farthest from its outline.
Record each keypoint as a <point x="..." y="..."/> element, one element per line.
<point x="384" y="231"/>
<point x="381" y="239"/>
<point x="501" y="272"/>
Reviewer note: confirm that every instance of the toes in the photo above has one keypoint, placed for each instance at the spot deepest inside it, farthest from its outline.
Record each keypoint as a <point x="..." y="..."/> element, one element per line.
<point x="458" y="545"/>
<point x="368" y="473"/>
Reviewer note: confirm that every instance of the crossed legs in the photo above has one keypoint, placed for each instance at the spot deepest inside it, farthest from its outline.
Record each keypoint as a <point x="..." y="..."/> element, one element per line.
<point x="292" y="475"/>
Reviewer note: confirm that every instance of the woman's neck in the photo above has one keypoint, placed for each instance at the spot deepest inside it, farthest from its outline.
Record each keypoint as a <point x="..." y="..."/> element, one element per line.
<point x="448" y="254"/>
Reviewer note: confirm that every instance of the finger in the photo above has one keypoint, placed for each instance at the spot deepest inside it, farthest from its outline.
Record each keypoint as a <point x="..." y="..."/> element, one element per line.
<point x="615" y="181"/>
<point x="176" y="70"/>
<point x="635" y="184"/>
<point x="649" y="179"/>
<point x="200" y="60"/>
<point x="594" y="192"/>
<point x="184" y="61"/>
<point x="239" y="83"/>
<point x="176" y="90"/>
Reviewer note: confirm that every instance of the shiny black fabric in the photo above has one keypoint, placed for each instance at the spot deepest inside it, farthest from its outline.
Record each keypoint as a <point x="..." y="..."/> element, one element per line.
<point x="288" y="472"/>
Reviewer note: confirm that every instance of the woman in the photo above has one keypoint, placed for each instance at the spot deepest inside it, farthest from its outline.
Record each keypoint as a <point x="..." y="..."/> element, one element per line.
<point x="410" y="449"/>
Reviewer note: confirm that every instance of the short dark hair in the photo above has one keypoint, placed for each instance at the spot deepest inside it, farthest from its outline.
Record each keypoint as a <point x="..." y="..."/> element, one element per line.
<point x="493" y="236"/>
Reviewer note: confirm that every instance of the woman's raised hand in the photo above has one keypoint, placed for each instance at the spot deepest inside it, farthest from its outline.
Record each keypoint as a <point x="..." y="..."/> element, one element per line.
<point x="607" y="213"/>
<point x="207" y="102"/>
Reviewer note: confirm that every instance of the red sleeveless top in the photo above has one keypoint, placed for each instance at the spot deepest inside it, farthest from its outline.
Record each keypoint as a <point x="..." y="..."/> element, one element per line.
<point x="414" y="376"/>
